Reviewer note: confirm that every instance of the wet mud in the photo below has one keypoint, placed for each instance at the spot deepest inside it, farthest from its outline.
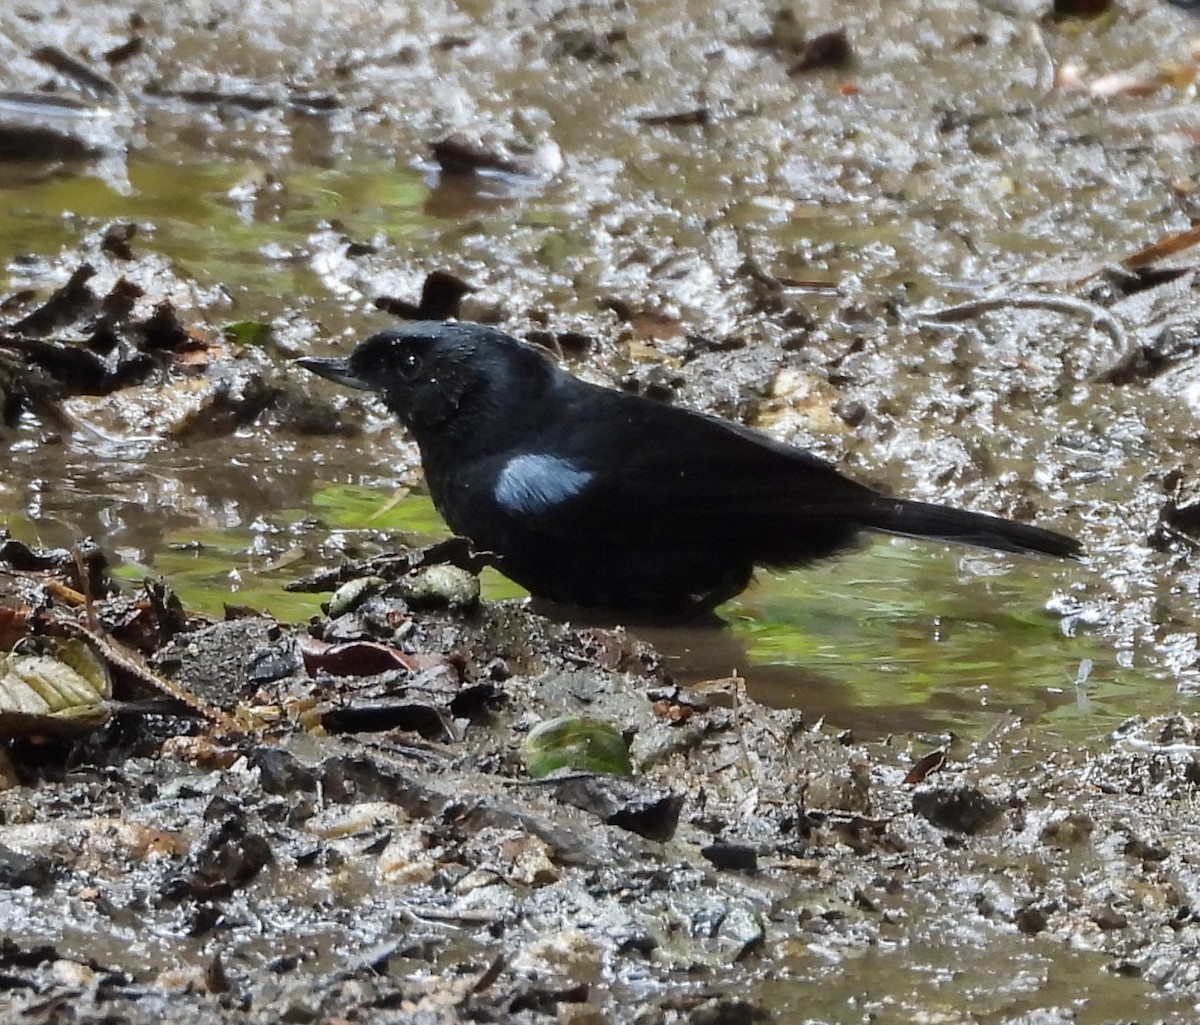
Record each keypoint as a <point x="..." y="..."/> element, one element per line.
<point x="341" y="820"/>
<point x="948" y="246"/>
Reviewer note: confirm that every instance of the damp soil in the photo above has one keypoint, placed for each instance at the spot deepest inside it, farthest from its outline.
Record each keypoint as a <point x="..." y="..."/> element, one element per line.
<point x="947" y="246"/>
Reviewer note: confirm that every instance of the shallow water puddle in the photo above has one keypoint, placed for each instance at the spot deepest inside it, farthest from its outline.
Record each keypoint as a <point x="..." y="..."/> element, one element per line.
<point x="898" y="637"/>
<point x="954" y="981"/>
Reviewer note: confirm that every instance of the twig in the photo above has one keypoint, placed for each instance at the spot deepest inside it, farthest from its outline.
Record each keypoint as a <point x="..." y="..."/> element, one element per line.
<point x="739" y="682"/>
<point x="1099" y="317"/>
<point x="490" y="975"/>
<point x="85" y="586"/>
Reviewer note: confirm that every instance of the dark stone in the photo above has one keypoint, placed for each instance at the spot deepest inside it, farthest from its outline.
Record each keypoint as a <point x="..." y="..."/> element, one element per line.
<point x="274" y="663"/>
<point x="648" y="811"/>
<point x="228" y="857"/>
<point x="1109" y="919"/>
<point x="17" y="870"/>
<point x="731" y="856"/>
<point x="1145" y="850"/>
<point x="961" y="809"/>
<point x="1031" y="920"/>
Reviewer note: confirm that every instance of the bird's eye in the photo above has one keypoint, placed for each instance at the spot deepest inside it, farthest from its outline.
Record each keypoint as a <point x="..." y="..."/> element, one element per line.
<point x="410" y="365"/>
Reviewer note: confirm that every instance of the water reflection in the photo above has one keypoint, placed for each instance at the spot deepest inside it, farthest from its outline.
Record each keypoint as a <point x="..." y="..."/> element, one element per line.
<point x="898" y="637"/>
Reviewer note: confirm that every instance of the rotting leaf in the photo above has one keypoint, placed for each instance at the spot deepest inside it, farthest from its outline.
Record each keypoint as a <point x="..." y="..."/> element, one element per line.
<point x="65" y="305"/>
<point x="1079" y="9"/>
<point x="347" y="779"/>
<point x="115" y="309"/>
<point x="77" y="72"/>
<point x="1168" y="245"/>
<point x="62" y="562"/>
<point x="441" y="295"/>
<point x="693" y="116"/>
<point x="274" y="662"/>
<point x="253" y="102"/>
<point x="827" y="50"/>
<point x="459" y="155"/>
<point x="471" y="701"/>
<point x="490" y="974"/>
<point x="18" y="869"/>
<point x="674" y="714"/>
<point x="617" y="651"/>
<point x="123" y="51"/>
<point x="576" y="742"/>
<point x="351" y="658"/>
<point x="646" y="322"/>
<point x="961" y="809"/>
<point x="402" y="714"/>
<point x="25" y="388"/>
<point x="585" y="43"/>
<point x="35" y="143"/>
<point x="145" y="621"/>
<point x="314" y="103"/>
<point x="18" y="300"/>
<point x="162" y="330"/>
<point x="14" y="624"/>
<point x="676" y="704"/>
<point x="925" y="767"/>
<point x="130" y="664"/>
<point x="116" y="239"/>
<point x="64" y="690"/>
<point x="544" y="1000"/>
<point x="79" y="369"/>
<point x="456" y="154"/>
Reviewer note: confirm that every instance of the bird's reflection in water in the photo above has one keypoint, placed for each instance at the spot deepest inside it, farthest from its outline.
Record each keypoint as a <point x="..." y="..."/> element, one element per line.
<point x="713" y="648"/>
<point x="707" y="649"/>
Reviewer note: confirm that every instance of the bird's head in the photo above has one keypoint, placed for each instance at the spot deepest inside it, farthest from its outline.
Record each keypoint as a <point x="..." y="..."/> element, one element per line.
<point x="429" y="373"/>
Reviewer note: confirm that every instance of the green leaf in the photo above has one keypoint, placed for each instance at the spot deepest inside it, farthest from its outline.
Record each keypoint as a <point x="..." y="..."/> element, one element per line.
<point x="247" y="332"/>
<point x="576" y="742"/>
<point x="353" y="507"/>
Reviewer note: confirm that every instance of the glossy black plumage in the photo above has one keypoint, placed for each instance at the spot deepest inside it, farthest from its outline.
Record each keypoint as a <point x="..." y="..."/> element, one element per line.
<point x="598" y="498"/>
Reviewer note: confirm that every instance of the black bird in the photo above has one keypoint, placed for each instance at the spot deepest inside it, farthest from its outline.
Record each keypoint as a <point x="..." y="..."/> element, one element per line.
<point x="598" y="498"/>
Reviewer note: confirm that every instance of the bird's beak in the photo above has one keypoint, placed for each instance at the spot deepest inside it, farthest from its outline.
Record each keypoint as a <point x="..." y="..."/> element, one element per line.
<point x="335" y="370"/>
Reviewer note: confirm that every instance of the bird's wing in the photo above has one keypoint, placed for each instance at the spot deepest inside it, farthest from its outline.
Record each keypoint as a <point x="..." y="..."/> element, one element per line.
<point x="621" y="470"/>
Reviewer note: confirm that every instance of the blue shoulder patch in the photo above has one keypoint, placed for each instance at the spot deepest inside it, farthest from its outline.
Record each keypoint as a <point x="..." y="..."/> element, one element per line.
<point x="531" y="484"/>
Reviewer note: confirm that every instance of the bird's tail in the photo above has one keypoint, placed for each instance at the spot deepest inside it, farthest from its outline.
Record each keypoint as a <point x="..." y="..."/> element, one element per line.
<point x="922" y="519"/>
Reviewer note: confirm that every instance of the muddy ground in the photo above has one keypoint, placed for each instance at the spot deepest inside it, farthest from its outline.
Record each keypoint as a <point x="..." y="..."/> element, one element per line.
<point x="348" y="831"/>
<point x="948" y="245"/>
